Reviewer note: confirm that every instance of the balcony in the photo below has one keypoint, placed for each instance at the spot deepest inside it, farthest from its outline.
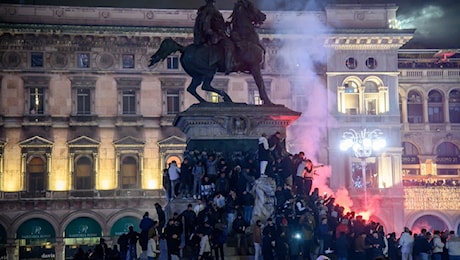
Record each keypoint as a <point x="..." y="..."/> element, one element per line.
<point x="129" y="120"/>
<point x="83" y="120"/>
<point x="37" y="120"/>
<point x="429" y="74"/>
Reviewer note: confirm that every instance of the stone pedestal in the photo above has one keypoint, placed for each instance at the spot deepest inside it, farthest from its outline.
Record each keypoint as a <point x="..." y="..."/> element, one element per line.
<point x="231" y="127"/>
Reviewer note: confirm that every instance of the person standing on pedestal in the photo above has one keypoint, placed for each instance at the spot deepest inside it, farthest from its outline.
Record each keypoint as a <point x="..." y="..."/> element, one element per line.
<point x="264" y="154"/>
<point x="307" y="177"/>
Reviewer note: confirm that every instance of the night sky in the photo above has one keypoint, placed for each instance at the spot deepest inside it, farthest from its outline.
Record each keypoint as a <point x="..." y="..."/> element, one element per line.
<point x="437" y="21"/>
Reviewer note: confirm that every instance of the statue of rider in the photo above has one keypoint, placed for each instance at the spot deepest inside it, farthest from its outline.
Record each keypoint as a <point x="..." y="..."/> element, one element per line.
<point x="210" y="28"/>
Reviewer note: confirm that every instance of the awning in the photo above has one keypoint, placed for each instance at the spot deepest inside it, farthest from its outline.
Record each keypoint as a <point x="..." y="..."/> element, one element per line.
<point x="35" y="228"/>
<point x="83" y="227"/>
<point x="122" y="225"/>
<point x="2" y="235"/>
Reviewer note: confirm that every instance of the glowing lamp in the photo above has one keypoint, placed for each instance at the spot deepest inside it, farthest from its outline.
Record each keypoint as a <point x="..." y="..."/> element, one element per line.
<point x="346" y="144"/>
<point x="362" y="144"/>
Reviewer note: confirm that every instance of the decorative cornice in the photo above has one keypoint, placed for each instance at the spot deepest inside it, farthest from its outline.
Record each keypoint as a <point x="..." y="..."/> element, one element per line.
<point x="367" y="41"/>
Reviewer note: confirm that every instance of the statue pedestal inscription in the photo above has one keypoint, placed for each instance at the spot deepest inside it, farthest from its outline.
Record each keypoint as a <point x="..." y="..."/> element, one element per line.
<point x="232" y="126"/>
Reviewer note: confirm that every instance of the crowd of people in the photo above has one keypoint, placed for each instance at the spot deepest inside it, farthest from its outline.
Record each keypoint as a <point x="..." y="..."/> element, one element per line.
<point x="431" y="183"/>
<point x="304" y="225"/>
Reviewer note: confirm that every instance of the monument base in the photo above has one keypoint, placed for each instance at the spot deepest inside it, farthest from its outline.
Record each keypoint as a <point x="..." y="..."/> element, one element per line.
<point x="231" y="126"/>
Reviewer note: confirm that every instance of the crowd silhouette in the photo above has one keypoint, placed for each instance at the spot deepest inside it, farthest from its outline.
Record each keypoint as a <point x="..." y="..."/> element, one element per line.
<point x="305" y="224"/>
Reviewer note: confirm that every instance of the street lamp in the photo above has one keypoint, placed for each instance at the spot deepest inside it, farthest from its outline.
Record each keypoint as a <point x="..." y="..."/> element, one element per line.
<point x="363" y="143"/>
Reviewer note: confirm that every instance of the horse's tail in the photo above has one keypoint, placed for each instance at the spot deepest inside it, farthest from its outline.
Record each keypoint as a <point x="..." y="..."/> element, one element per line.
<point x="167" y="47"/>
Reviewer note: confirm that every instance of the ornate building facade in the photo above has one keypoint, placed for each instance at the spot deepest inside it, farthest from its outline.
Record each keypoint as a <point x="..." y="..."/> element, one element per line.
<point x="86" y="128"/>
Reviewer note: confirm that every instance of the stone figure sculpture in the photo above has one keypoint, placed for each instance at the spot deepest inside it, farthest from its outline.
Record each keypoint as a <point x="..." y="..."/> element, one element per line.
<point x="264" y="194"/>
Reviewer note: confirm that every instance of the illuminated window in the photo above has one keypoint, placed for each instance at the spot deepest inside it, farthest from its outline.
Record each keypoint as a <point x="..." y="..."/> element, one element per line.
<point x="253" y="92"/>
<point x="351" y="63"/>
<point x="448" y="159"/>
<point x="36" y="101"/>
<point x="454" y="106"/>
<point x="129" y="173"/>
<point x="83" y="176"/>
<point x="410" y="160"/>
<point x="414" y="107"/>
<point x="435" y="107"/>
<point x="36" y="175"/>
<point x="371" y="98"/>
<point x="351" y="98"/>
<point x="371" y="63"/>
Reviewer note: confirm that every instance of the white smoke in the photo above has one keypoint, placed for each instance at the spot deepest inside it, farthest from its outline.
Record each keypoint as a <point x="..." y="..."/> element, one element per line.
<point x="299" y="59"/>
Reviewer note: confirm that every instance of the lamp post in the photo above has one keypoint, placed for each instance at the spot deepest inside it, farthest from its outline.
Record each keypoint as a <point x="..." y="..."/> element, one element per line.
<point x="363" y="143"/>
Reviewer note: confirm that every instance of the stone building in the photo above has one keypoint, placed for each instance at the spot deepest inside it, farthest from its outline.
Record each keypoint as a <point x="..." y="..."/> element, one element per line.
<point x="86" y="128"/>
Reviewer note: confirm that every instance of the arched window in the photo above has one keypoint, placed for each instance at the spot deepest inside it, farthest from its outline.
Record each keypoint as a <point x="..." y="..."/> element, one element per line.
<point x="84" y="174"/>
<point x="36" y="175"/>
<point x="410" y="160"/>
<point x="371" y="98"/>
<point x="454" y="106"/>
<point x="351" y="98"/>
<point x="448" y="159"/>
<point x="435" y="104"/>
<point x="414" y="107"/>
<point x="129" y="173"/>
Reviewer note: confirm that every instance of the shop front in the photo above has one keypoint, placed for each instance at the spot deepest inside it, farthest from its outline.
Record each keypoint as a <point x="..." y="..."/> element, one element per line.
<point x="83" y="232"/>
<point x="122" y="225"/>
<point x="35" y="240"/>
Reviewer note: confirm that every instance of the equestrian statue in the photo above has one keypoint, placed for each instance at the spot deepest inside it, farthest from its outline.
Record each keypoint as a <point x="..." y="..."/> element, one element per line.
<point x="220" y="46"/>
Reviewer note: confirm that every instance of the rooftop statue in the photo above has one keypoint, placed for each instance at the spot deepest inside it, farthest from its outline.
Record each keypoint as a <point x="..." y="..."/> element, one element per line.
<point x="220" y="46"/>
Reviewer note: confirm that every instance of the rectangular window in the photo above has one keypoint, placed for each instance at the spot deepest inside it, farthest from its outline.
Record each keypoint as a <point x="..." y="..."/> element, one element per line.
<point x="36" y="181"/>
<point x="83" y="60"/>
<point x="129" y="176"/>
<point x="83" y="101"/>
<point x="172" y="102"/>
<point x="36" y="59"/>
<point x="172" y="62"/>
<point x="371" y="106"/>
<point x="254" y="97"/>
<point x="128" y="61"/>
<point x="435" y="114"/>
<point x="129" y="102"/>
<point x="37" y="100"/>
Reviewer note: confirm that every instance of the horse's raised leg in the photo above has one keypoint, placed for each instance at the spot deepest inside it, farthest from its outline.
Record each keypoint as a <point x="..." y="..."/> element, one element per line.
<point x="207" y="87"/>
<point x="192" y="89"/>
<point x="257" y="75"/>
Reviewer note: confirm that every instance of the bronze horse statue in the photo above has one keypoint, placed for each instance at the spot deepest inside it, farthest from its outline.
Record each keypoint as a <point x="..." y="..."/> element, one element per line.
<point x="248" y="56"/>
